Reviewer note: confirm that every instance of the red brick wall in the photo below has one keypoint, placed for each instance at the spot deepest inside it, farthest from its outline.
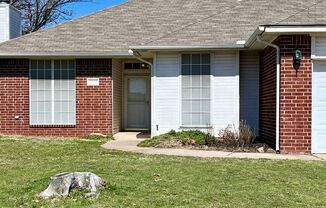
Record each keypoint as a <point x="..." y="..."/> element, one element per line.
<point x="94" y="104"/>
<point x="296" y="96"/>
<point x="267" y="117"/>
<point x="13" y="95"/>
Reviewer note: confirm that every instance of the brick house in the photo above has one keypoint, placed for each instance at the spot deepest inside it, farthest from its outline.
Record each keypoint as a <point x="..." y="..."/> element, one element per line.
<point x="161" y="65"/>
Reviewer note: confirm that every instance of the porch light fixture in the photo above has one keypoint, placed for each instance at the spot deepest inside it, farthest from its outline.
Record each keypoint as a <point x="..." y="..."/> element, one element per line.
<point x="297" y="56"/>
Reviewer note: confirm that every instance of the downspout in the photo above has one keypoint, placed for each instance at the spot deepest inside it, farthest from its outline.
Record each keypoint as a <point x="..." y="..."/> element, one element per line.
<point x="131" y="52"/>
<point x="278" y="72"/>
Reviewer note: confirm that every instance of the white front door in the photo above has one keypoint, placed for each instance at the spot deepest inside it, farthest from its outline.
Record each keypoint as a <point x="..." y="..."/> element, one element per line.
<point x="319" y="107"/>
<point x="137" y="103"/>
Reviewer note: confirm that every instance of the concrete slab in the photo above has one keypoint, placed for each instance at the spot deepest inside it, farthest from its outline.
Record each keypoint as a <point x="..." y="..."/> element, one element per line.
<point x="321" y="156"/>
<point x="128" y="141"/>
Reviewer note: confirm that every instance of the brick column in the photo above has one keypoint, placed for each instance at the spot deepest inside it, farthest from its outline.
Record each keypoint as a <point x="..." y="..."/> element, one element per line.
<point x="296" y="96"/>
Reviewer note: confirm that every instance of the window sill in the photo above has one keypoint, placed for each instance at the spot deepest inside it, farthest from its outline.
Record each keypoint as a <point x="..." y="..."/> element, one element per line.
<point x="52" y="126"/>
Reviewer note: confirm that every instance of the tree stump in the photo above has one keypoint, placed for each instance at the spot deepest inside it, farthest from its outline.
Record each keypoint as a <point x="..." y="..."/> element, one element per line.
<point x="62" y="184"/>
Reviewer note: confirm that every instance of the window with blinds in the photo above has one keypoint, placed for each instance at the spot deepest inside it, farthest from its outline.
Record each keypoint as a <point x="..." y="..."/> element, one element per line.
<point x="52" y="92"/>
<point x="196" y="96"/>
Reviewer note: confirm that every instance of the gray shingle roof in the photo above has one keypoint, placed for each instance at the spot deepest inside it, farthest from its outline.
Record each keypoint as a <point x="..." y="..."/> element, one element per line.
<point x="168" y="23"/>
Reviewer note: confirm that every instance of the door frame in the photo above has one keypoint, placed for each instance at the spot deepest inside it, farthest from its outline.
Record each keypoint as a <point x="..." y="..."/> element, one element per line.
<point x="125" y="102"/>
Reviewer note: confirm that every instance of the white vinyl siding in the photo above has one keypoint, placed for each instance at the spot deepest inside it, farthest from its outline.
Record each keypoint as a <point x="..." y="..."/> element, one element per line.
<point x="167" y="96"/>
<point x="52" y="92"/>
<point x="4" y="23"/>
<point x="117" y="94"/>
<point x="10" y="21"/>
<point x="166" y="93"/>
<point x="195" y="84"/>
<point x="15" y="23"/>
<point x="249" y="89"/>
<point x="225" y="90"/>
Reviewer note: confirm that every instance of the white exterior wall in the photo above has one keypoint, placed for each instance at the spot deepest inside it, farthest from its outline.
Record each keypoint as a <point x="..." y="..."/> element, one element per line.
<point x="117" y="94"/>
<point x="166" y="94"/>
<point x="166" y="91"/>
<point x="10" y="21"/>
<point x="4" y="22"/>
<point x="249" y="89"/>
<point x="225" y="90"/>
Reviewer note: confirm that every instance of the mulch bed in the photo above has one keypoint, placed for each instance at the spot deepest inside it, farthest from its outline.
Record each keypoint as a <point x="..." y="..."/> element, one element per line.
<point x="254" y="148"/>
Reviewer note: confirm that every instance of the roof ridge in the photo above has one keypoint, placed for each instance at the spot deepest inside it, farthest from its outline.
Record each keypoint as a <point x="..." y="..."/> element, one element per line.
<point x="67" y="22"/>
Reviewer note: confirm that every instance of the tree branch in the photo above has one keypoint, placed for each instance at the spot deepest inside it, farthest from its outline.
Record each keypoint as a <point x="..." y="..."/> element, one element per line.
<point x="38" y="14"/>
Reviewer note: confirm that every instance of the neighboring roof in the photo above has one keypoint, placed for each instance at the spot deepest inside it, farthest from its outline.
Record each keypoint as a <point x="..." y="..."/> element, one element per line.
<point x="167" y="23"/>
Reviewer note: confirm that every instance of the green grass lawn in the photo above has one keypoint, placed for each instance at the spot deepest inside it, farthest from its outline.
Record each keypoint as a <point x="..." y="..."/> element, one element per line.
<point x="27" y="164"/>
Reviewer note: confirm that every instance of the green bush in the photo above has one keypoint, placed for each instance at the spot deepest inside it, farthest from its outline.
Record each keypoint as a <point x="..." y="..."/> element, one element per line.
<point x="195" y="137"/>
<point x="211" y="140"/>
<point x="153" y="142"/>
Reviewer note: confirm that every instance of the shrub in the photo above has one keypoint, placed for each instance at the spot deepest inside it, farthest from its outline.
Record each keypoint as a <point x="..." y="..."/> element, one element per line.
<point x="210" y="139"/>
<point x="237" y="138"/>
<point x="191" y="137"/>
<point x="157" y="140"/>
<point x="186" y="136"/>
<point x="246" y="135"/>
<point x="229" y="136"/>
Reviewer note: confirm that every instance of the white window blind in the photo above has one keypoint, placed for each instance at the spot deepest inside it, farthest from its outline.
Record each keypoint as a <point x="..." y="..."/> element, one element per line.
<point x="52" y="92"/>
<point x="196" y="96"/>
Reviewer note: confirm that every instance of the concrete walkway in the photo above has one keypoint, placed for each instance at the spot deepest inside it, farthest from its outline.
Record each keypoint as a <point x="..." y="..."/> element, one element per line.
<point x="127" y="141"/>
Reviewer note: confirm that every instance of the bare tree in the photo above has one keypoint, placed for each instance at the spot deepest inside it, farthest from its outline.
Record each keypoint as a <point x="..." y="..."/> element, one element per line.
<point x="37" y="14"/>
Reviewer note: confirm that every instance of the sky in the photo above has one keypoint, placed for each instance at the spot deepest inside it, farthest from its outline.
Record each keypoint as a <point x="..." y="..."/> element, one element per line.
<point x="85" y="8"/>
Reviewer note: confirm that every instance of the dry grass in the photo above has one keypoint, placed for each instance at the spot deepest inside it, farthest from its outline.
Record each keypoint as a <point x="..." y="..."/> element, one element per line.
<point x="240" y="138"/>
